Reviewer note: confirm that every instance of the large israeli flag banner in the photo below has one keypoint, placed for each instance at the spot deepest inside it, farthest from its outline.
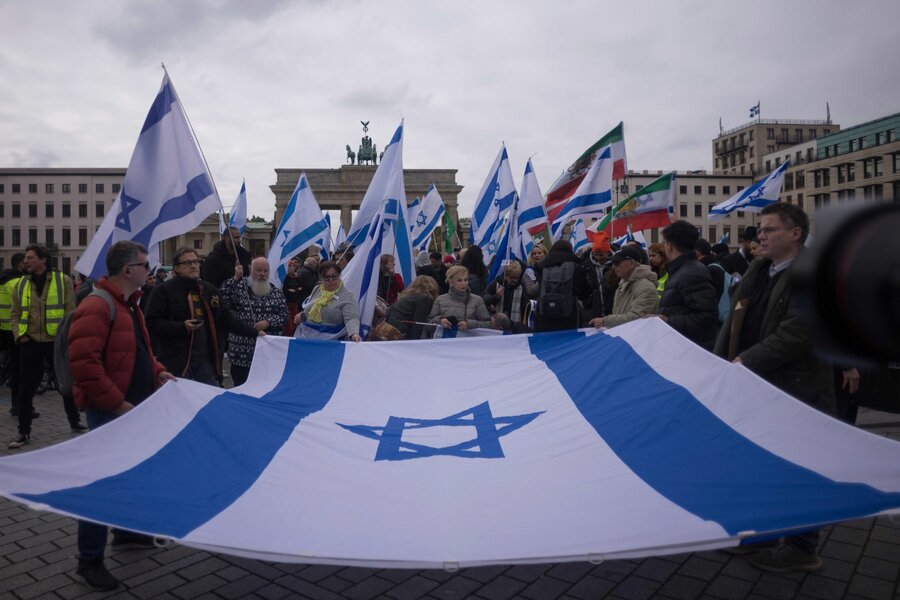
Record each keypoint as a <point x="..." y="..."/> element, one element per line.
<point x="593" y="446"/>
<point x="167" y="189"/>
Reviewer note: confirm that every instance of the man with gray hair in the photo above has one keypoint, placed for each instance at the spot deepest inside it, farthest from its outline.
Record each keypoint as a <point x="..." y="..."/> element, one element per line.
<point x="254" y="301"/>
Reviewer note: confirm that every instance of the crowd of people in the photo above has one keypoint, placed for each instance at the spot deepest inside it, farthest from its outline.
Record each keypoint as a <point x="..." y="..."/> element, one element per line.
<point x="738" y="305"/>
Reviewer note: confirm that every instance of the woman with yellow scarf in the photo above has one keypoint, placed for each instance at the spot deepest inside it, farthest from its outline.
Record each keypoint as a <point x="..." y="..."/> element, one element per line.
<point x="331" y="311"/>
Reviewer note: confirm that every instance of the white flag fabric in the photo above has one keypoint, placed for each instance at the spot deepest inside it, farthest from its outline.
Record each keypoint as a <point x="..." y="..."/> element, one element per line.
<point x="578" y="236"/>
<point x="532" y="217"/>
<point x="324" y="242"/>
<point x="425" y="217"/>
<point x="756" y="197"/>
<point x="238" y="215"/>
<point x="593" y="446"/>
<point x="363" y="270"/>
<point x="340" y="237"/>
<point x="593" y="195"/>
<point x="301" y="225"/>
<point x="167" y="189"/>
<point x="495" y="198"/>
<point x="387" y="187"/>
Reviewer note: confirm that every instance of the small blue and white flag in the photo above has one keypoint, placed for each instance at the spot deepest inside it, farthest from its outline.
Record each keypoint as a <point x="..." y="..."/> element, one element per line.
<point x="756" y="197"/>
<point x="340" y="237"/>
<point x="425" y="217"/>
<point x="324" y="243"/>
<point x="593" y="195"/>
<point x="725" y="238"/>
<point x="754" y="110"/>
<point x="238" y="215"/>
<point x="167" y="190"/>
<point x="631" y="237"/>
<point x="658" y="448"/>
<point x="578" y="237"/>
<point x="301" y="225"/>
<point x="363" y="270"/>
<point x="387" y="187"/>
<point x="495" y="198"/>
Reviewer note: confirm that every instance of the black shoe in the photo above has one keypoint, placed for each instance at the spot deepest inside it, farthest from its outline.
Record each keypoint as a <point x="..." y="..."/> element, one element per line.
<point x="127" y="540"/>
<point x="35" y="414"/>
<point x="20" y="440"/>
<point x="94" y="574"/>
<point x="79" y="427"/>
<point x="785" y="559"/>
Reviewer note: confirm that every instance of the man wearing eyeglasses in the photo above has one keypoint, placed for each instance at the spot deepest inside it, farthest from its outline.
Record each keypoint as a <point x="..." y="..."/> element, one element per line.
<point x="219" y="265"/>
<point x="113" y="370"/>
<point x="188" y="319"/>
<point x="765" y="333"/>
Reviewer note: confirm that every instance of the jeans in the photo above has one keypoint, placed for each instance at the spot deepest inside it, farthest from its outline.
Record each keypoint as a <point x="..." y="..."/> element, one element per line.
<point x="32" y="358"/>
<point x="203" y="373"/>
<point x="91" y="536"/>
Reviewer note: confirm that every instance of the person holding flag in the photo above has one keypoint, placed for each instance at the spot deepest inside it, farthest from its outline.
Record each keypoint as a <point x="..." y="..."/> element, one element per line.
<point x="226" y="254"/>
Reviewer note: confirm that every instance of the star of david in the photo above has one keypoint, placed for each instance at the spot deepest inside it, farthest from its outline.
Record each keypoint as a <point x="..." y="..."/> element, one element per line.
<point x="485" y="443"/>
<point x="491" y="247"/>
<point x="123" y="221"/>
<point x="421" y="220"/>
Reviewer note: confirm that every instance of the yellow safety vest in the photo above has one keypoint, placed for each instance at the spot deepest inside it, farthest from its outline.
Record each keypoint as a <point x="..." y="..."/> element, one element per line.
<point x="661" y="285"/>
<point x="54" y="310"/>
<point x="6" y="303"/>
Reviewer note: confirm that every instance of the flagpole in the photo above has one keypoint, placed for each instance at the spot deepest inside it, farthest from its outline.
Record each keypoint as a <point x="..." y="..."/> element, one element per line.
<point x="205" y="163"/>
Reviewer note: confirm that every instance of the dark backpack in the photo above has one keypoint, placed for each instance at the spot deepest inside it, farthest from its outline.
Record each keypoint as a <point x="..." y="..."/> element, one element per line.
<point x="557" y="298"/>
<point x="61" y="344"/>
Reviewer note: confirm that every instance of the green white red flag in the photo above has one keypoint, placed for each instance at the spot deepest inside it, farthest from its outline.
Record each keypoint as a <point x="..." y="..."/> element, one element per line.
<point x="648" y="208"/>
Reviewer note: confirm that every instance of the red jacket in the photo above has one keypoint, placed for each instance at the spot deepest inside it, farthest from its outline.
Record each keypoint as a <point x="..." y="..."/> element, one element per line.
<point x="101" y="378"/>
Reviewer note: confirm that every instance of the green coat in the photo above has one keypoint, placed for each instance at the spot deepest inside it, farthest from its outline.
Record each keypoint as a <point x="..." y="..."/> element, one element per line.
<point x="634" y="298"/>
<point x="784" y="355"/>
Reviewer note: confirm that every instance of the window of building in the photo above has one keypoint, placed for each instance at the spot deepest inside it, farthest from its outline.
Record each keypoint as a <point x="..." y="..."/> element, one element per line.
<point x="66" y="237"/>
<point x="49" y="237"/>
<point x="48" y="188"/>
<point x="768" y="165"/>
<point x="682" y="189"/>
<point x="878" y="166"/>
<point x="852" y="145"/>
<point x="711" y="190"/>
<point x="710" y="206"/>
<point x="82" y="210"/>
<point x="32" y="188"/>
<point x="799" y="180"/>
<point x="98" y="210"/>
<point x="638" y="187"/>
<point x="67" y="264"/>
<point x="726" y="189"/>
<point x="2" y="188"/>
<point x="788" y="181"/>
<point x="751" y="151"/>
<point x="740" y="187"/>
<point x="799" y="135"/>
<point x="742" y="157"/>
<point x="726" y="230"/>
<point x="800" y="200"/>
<point x="32" y="235"/>
<point x="698" y="189"/>
<point x="2" y="211"/>
<point x="99" y="188"/>
<point x="82" y="236"/>
<point x="851" y="172"/>
<point x="889" y="136"/>
<point x="896" y="160"/>
<point x="682" y="210"/>
<point x="698" y="210"/>
<point x="48" y="210"/>
<point x="732" y="160"/>
<point x="116" y="188"/>
<point x="82" y="188"/>
<point x="740" y="213"/>
<point x="770" y="134"/>
<point x="784" y="135"/>
<point x="777" y="161"/>
<point x="16" y="210"/>
<point x="32" y="210"/>
<point x="67" y="188"/>
<point x="826" y="131"/>
<point x="198" y="244"/>
<point x="66" y="210"/>
<point x="16" y="188"/>
<point x="2" y="238"/>
<point x="16" y="237"/>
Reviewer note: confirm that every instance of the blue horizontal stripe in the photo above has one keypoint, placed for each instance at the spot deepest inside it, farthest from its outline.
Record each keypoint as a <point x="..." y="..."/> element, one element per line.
<point x="431" y="226"/>
<point x="484" y="203"/>
<point x="302" y="238"/>
<point x="587" y="203"/>
<point x="677" y="446"/>
<point x="187" y="482"/>
<point x="173" y="209"/>
<point x="532" y="214"/>
<point x="162" y="105"/>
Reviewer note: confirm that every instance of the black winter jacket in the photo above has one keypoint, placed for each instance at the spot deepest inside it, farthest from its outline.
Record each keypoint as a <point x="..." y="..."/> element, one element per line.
<point x="580" y="289"/>
<point x="689" y="301"/>
<point x="219" y="265"/>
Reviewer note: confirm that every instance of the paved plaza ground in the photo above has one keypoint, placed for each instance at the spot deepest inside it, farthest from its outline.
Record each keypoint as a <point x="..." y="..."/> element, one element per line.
<point x="37" y="560"/>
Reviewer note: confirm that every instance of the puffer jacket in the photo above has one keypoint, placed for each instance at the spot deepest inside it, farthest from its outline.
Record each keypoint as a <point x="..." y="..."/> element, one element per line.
<point x="467" y="307"/>
<point x="102" y="354"/>
<point x="634" y="298"/>
<point x="689" y="301"/>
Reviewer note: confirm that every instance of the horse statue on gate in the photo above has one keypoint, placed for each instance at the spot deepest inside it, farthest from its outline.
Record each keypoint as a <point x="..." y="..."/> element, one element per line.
<point x="367" y="151"/>
<point x="351" y="155"/>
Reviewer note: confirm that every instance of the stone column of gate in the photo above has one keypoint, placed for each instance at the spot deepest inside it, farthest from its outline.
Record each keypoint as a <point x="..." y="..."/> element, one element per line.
<point x="346" y="217"/>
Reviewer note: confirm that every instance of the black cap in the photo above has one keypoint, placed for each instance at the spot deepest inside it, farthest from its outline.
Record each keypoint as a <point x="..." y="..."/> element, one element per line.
<point x="749" y="233"/>
<point x="626" y="252"/>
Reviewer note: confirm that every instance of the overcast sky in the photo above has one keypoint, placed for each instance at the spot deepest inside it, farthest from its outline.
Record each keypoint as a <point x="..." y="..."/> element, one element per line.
<point x="271" y="84"/>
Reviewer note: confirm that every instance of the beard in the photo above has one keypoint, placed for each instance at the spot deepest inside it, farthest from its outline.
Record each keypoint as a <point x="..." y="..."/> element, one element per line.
<point x="260" y="288"/>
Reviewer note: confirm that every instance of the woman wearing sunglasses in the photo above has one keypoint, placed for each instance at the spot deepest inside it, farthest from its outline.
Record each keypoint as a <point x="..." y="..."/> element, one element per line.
<point x="331" y="311"/>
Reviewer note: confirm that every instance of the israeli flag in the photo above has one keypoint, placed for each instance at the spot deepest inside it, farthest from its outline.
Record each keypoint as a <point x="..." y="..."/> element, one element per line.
<point x="361" y="274"/>
<point x="387" y="187"/>
<point x="425" y="218"/>
<point x="658" y="448"/>
<point x="238" y="217"/>
<point x="301" y="225"/>
<point x="340" y="237"/>
<point x="754" y="110"/>
<point x="593" y="195"/>
<point x="725" y="238"/>
<point x="631" y="237"/>
<point x="495" y="198"/>
<point x="324" y="243"/>
<point x="578" y="237"/>
<point x="756" y="197"/>
<point x="167" y="189"/>
<point x="532" y="217"/>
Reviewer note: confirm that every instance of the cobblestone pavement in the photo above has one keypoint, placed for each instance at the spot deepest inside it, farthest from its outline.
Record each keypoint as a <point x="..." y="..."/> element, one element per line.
<point x="37" y="560"/>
